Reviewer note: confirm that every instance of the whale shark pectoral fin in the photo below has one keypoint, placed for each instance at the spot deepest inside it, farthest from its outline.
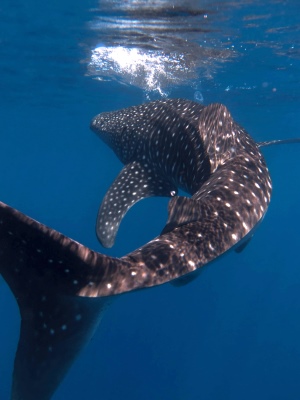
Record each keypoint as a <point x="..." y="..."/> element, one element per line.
<point x="135" y="182"/>
<point x="182" y="210"/>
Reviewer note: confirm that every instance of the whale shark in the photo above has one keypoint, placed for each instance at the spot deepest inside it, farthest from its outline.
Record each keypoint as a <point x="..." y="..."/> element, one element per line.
<point x="174" y="144"/>
<point x="63" y="287"/>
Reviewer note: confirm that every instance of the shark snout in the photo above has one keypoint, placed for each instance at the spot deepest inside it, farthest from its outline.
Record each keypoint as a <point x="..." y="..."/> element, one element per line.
<point x="94" y="124"/>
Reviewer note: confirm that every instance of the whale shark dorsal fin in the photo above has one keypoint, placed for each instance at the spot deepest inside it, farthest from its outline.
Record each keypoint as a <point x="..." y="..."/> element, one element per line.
<point x="135" y="182"/>
<point x="217" y="129"/>
<point x="181" y="211"/>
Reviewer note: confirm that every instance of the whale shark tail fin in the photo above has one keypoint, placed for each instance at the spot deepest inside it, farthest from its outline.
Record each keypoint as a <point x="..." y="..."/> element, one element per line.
<point x="42" y="268"/>
<point x="49" y="343"/>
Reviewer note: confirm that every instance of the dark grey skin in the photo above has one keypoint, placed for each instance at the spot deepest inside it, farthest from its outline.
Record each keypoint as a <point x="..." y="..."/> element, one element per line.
<point x="62" y="287"/>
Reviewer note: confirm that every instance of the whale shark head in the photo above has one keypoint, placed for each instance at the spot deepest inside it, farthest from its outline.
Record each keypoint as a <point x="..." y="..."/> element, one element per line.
<point x="119" y="132"/>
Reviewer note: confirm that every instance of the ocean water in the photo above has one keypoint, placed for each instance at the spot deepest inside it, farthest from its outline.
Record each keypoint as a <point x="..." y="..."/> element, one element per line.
<point x="231" y="334"/>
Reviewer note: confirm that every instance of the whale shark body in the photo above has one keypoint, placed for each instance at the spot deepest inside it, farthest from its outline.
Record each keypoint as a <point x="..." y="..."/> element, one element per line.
<point x="62" y="287"/>
<point x="171" y="144"/>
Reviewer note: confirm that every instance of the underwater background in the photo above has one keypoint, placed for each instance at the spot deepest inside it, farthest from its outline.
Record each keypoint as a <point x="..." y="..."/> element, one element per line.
<point x="234" y="332"/>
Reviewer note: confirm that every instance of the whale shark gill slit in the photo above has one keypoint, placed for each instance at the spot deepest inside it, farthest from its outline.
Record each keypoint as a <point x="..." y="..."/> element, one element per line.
<point x="62" y="287"/>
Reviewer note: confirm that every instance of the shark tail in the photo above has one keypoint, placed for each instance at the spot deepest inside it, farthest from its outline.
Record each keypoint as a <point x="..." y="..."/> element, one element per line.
<point x="43" y="269"/>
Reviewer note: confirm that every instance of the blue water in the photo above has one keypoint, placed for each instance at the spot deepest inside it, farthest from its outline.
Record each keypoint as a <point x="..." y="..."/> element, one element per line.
<point x="234" y="332"/>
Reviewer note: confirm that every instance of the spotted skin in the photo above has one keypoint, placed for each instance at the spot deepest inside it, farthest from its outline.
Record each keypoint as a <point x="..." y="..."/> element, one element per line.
<point x="63" y="287"/>
<point x="163" y="152"/>
<point x="134" y="183"/>
<point x="175" y="144"/>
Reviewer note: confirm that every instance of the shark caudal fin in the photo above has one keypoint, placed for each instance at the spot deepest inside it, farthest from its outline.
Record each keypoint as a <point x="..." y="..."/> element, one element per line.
<point x="50" y="340"/>
<point x="43" y="269"/>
